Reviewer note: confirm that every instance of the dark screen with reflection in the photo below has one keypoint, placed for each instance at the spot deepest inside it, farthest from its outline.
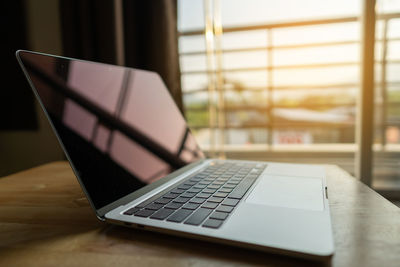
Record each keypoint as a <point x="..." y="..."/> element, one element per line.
<point x="119" y="126"/>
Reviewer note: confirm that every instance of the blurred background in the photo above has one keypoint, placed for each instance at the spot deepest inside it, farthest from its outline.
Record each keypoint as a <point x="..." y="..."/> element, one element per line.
<point x="256" y="79"/>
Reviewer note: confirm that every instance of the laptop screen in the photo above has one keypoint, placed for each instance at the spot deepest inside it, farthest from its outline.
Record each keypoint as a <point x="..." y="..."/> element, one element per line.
<point x="119" y="127"/>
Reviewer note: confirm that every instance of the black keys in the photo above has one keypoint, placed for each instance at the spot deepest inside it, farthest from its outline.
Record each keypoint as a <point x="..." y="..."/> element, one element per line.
<point x="215" y="199"/>
<point x="197" y="200"/>
<point x="162" y="200"/>
<point x="219" y="215"/>
<point x="187" y="194"/>
<point x="154" y="206"/>
<point x="179" y="215"/>
<point x="198" y="216"/>
<point x="177" y="191"/>
<point x="184" y="187"/>
<point x="215" y="191"/>
<point x="190" y="206"/>
<point x="212" y="223"/>
<point x="194" y="190"/>
<point x="181" y="200"/>
<point x="144" y="213"/>
<point x="230" y="202"/>
<point x="204" y="195"/>
<point x="226" y="209"/>
<point x="209" y="205"/>
<point x="147" y="202"/>
<point x="162" y="214"/>
<point x="220" y="194"/>
<point x="225" y="190"/>
<point x="209" y="191"/>
<point x="171" y="195"/>
<point x="242" y="188"/>
<point x="173" y="205"/>
<point x="131" y="211"/>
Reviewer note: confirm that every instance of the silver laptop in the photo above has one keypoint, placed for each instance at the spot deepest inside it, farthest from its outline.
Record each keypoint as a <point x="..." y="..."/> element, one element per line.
<point x="139" y="165"/>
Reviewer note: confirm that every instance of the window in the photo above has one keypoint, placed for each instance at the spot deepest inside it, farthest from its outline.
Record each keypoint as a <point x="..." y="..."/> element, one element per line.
<point x="283" y="76"/>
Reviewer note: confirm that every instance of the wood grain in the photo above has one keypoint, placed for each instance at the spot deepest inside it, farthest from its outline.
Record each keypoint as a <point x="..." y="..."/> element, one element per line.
<point x="46" y="221"/>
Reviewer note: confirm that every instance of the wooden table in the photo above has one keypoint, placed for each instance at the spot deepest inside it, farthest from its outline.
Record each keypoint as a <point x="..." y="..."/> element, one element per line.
<point x="46" y="221"/>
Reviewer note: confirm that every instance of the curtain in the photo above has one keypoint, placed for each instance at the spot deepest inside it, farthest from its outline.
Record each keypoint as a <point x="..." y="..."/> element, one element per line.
<point x="151" y="40"/>
<point x="150" y="36"/>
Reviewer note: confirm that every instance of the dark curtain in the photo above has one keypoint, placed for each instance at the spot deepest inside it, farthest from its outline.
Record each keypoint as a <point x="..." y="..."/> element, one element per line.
<point x="151" y="40"/>
<point x="17" y="109"/>
<point x="87" y="28"/>
<point x="150" y="36"/>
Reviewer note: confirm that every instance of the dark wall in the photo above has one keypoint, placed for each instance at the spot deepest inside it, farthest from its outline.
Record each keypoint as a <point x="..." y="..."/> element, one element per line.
<point x="17" y="111"/>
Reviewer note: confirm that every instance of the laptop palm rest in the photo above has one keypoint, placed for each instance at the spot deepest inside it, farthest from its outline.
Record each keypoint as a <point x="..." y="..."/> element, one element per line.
<point x="289" y="192"/>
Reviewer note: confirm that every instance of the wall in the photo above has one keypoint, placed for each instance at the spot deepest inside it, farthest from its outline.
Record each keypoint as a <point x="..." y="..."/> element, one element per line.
<point x="20" y="150"/>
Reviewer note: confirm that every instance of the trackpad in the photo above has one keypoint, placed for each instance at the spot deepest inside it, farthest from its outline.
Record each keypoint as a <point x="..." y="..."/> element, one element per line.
<point x="288" y="192"/>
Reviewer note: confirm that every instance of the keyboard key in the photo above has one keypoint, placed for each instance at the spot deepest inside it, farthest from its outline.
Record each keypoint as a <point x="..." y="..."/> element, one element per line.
<point x="179" y="215"/>
<point x="194" y="190"/>
<point x="242" y="188"/>
<point x="198" y="216"/>
<point x="213" y="186"/>
<point x="205" y="195"/>
<point x="219" y="194"/>
<point x="181" y="200"/>
<point x="212" y="223"/>
<point x="226" y="209"/>
<point x="131" y="211"/>
<point x="177" y="191"/>
<point x="171" y="195"/>
<point x="190" y="183"/>
<point x="197" y="200"/>
<point x="154" y="206"/>
<point x="187" y="194"/>
<point x="144" y="213"/>
<point x="190" y="206"/>
<point x="161" y="214"/>
<point x="162" y="200"/>
<point x="230" y="186"/>
<point x="230" y="202"/>
<point x="215" y="199"/>
<point x="184" y="187"/>
<point x="173" y="205"/>
<point x="225" y="190"/>
<point x="209" y="191"/>
<point x="199" y="186"/>
<point x="219" y="215"/>
<point x="209" y="205"/>
<point x="147" y="202"/>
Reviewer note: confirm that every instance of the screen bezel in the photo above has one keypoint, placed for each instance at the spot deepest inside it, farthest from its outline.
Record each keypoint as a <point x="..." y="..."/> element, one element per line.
<point x="100" y="212"/>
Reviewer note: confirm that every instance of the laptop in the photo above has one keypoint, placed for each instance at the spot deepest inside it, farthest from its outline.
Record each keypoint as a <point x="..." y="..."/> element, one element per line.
<point x="140" y="166"/>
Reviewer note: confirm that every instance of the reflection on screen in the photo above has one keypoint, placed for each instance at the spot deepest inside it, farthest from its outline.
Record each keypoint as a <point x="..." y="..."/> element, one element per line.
<point x="119" y="126"/>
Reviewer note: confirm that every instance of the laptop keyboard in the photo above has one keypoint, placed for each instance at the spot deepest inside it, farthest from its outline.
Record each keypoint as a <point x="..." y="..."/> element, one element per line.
<point x="206" y="198"/>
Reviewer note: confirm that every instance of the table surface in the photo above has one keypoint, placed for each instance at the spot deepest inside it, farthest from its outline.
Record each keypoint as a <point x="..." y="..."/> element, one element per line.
<point x="45" y="220"/>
